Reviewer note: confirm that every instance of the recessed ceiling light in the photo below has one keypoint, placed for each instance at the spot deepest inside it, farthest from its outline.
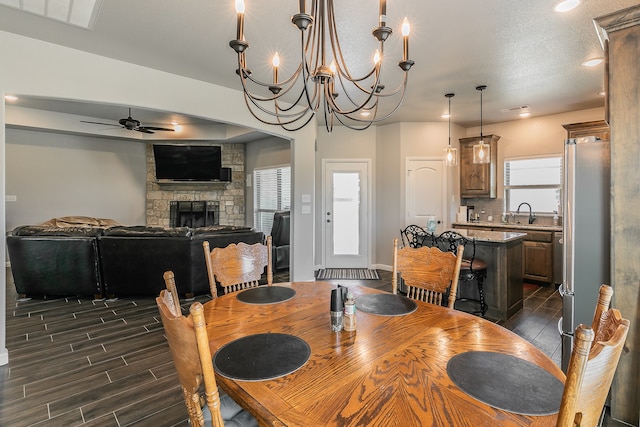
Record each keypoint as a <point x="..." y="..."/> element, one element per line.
<point x="445" y="116"/>
<point x="10" y="98"/>
<point x="602" y="93"/>
<point x="566" y="5"/>
<point x="592" y="62"/>
<point x="525" y="114"/>
<point x="365" y="113"/>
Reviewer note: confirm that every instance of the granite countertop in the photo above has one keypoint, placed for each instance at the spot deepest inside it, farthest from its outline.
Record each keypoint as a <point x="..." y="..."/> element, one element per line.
<point x="524" y="227"/>
<point x="491" y="236"/>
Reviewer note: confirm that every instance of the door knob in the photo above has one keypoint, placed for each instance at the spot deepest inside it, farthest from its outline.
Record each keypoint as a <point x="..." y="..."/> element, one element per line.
<point x="328" y="220"/>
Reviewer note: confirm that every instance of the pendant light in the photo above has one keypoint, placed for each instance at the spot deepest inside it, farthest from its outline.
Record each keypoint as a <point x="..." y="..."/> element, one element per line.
<point x="481" y="151"/>
<point x="451" y="154"/>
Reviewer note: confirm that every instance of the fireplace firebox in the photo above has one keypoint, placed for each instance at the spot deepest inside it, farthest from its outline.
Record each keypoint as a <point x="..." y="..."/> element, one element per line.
<point x="194" y="214"/>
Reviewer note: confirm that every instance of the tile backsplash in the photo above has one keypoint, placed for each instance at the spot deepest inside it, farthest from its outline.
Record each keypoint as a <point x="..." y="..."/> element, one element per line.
<point x="494" y="208"/>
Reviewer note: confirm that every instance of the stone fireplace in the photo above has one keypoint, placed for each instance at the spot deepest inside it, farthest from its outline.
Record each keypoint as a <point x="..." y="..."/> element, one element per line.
<point x="229" y="196"/>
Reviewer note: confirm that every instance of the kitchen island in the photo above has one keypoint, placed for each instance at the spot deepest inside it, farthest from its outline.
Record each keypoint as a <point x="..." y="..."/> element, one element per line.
<point x="502" y="251"/>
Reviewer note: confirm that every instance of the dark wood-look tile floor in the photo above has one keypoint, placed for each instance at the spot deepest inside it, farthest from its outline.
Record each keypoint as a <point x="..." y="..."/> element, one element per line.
<point x="106" y="363"/>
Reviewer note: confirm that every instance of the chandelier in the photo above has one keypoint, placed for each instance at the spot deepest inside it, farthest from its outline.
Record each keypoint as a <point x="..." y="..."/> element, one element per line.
<point x="322" y="82"/>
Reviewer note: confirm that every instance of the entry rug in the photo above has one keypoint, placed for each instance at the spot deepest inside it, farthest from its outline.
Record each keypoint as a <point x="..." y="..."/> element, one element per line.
<point x="347" y="273"/>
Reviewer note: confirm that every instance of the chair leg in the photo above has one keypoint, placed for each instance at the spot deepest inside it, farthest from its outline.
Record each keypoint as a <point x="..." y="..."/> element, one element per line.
<point x="483" y="304"/>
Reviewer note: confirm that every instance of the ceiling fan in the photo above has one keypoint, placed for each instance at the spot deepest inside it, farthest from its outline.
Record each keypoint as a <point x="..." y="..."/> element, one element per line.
<point x="132" y="124"/>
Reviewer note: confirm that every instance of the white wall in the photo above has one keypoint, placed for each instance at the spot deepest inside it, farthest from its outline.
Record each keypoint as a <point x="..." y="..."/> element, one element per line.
<point x="53" y="175"/>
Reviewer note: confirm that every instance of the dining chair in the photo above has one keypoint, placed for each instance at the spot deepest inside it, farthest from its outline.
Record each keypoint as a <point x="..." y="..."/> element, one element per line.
<point x="414" y="236"/>
<point x="238" y="266"/>
<point x="189" y="346"/>
<point x="472" y="270"/>
<point x="428" y="273"/>
<point x="593" y="362"/>
<point x="172" y="292"/>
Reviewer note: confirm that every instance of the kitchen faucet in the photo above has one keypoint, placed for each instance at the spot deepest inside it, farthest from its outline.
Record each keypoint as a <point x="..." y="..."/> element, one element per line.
<point x="532" y="217"/>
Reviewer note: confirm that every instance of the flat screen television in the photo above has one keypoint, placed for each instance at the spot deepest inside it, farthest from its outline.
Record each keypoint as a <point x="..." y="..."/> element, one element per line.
<point x="187" y="162"/>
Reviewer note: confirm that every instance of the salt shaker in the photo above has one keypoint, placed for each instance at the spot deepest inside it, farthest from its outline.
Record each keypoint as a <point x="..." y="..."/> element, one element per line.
<point x="349" y="313"/>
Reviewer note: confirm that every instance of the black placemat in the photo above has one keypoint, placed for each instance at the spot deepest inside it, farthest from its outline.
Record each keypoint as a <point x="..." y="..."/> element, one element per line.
<point x="386" y="304"/>
<point x="261" y="357"/>
<point x="506" y="382"/>
<point x="266" y="295"/>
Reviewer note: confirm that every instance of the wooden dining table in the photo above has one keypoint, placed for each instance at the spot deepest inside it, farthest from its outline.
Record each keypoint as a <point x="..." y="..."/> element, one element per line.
<point x="392" y="371"/>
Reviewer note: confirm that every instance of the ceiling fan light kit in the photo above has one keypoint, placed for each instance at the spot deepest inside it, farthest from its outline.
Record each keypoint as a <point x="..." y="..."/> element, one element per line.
<point x="130" y="123"/>
<point x="322" y="75"/>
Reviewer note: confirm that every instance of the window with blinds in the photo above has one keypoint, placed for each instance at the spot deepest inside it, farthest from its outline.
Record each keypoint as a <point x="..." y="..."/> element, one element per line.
<point x="271" y="193"/>
<point x="537" y="181"/>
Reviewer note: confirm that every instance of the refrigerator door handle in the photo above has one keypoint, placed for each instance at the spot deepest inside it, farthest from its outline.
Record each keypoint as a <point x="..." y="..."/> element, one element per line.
<point x="564" y="292"/>
<point x="561" y="332"/>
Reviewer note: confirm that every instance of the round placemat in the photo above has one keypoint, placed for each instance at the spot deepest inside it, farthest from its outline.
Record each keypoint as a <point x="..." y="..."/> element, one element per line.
<point x="261" y="357"/>
<point x="506" y="382"/>
<point x="266" y="295"/>
<point x="386" y="304"/>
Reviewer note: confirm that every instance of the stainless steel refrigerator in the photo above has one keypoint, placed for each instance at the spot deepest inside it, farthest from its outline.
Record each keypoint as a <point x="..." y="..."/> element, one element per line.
<point x="586" y="233"/>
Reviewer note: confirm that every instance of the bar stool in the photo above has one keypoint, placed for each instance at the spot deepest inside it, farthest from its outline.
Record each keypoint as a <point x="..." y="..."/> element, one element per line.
<point x="473" y="269"/>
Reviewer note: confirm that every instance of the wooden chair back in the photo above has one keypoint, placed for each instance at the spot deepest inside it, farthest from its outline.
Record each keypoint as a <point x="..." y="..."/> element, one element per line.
<point x="170" y="283"/>
<point x="238" y="266"/>
<point x="591" y="368"/>
<point x="189" y="345"/>
<point x="602" y="307"/>
<point x="427" y="272"/>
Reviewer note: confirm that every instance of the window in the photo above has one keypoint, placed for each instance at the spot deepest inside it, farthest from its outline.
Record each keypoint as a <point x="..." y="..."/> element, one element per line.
<point x="537" y="181"/>
<point x="271" y="193"/>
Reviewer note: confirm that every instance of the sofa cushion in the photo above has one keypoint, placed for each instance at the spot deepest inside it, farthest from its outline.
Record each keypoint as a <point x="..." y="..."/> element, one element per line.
<point x="146" y="231"/>
<point x="219" y="229"/>
<point x="45" y="230"/>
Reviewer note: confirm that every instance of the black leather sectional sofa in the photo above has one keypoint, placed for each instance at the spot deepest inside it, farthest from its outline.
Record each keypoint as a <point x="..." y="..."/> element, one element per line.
<point x="115" y="261"/>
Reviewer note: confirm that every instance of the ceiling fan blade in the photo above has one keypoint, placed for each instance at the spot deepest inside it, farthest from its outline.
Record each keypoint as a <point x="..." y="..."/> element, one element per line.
<point x="100" y="123"/>
<point x="155" y="128"/>
<point x="143" y="130"/>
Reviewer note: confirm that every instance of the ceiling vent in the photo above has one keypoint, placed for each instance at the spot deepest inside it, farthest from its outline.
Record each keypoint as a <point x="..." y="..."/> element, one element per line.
<point x="518" y="109"/>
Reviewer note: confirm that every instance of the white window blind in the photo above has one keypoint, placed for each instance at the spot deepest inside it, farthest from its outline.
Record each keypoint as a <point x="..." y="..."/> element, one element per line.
<point x="537" y="181"/>
<point x="271" y="193"/>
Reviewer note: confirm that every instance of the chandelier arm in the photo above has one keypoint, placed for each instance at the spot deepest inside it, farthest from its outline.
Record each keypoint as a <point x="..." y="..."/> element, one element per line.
<point x="357" y="106"/>
<point x="352" y="127"/>
<point x="260" y="98"/>
<point x="385" y="117"/>
<point x="265" y="121"/>
<point x="255" y="102"/>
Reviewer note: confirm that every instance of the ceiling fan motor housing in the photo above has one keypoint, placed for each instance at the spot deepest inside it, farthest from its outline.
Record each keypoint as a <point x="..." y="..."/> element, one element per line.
<point x="129" y="123"/>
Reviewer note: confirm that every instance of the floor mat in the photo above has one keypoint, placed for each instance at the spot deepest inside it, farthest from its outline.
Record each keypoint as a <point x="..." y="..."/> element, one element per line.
<point x="347" y="273"/>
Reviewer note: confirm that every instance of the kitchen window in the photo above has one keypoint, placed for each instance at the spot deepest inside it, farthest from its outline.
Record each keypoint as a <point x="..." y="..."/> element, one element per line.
<point x="271" y="193"/>
<point x="537" y="181"/>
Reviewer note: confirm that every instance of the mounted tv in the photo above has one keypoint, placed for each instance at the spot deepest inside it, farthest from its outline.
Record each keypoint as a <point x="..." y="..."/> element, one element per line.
<point x="187" y="162"/>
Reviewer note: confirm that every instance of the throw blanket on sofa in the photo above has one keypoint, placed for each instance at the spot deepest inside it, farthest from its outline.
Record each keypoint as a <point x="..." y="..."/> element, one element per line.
<point x="80" y="221"/>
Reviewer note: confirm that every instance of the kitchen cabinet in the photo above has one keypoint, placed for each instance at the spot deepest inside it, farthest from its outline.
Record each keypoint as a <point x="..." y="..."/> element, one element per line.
<point x="537" y="256"/>
<point x="598" y="128"/>
<point x="478" y="180"/>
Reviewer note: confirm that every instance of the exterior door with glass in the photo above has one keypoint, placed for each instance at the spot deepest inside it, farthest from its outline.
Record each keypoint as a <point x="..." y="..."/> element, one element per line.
<point x="346" y="214"/>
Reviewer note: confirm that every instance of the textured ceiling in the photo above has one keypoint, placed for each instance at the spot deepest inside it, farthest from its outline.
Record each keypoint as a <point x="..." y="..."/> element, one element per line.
<point x="525" y="53"/>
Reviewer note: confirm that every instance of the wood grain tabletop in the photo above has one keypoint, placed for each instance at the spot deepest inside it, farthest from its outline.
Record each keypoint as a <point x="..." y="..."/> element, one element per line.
<point x="390" y="372"/>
